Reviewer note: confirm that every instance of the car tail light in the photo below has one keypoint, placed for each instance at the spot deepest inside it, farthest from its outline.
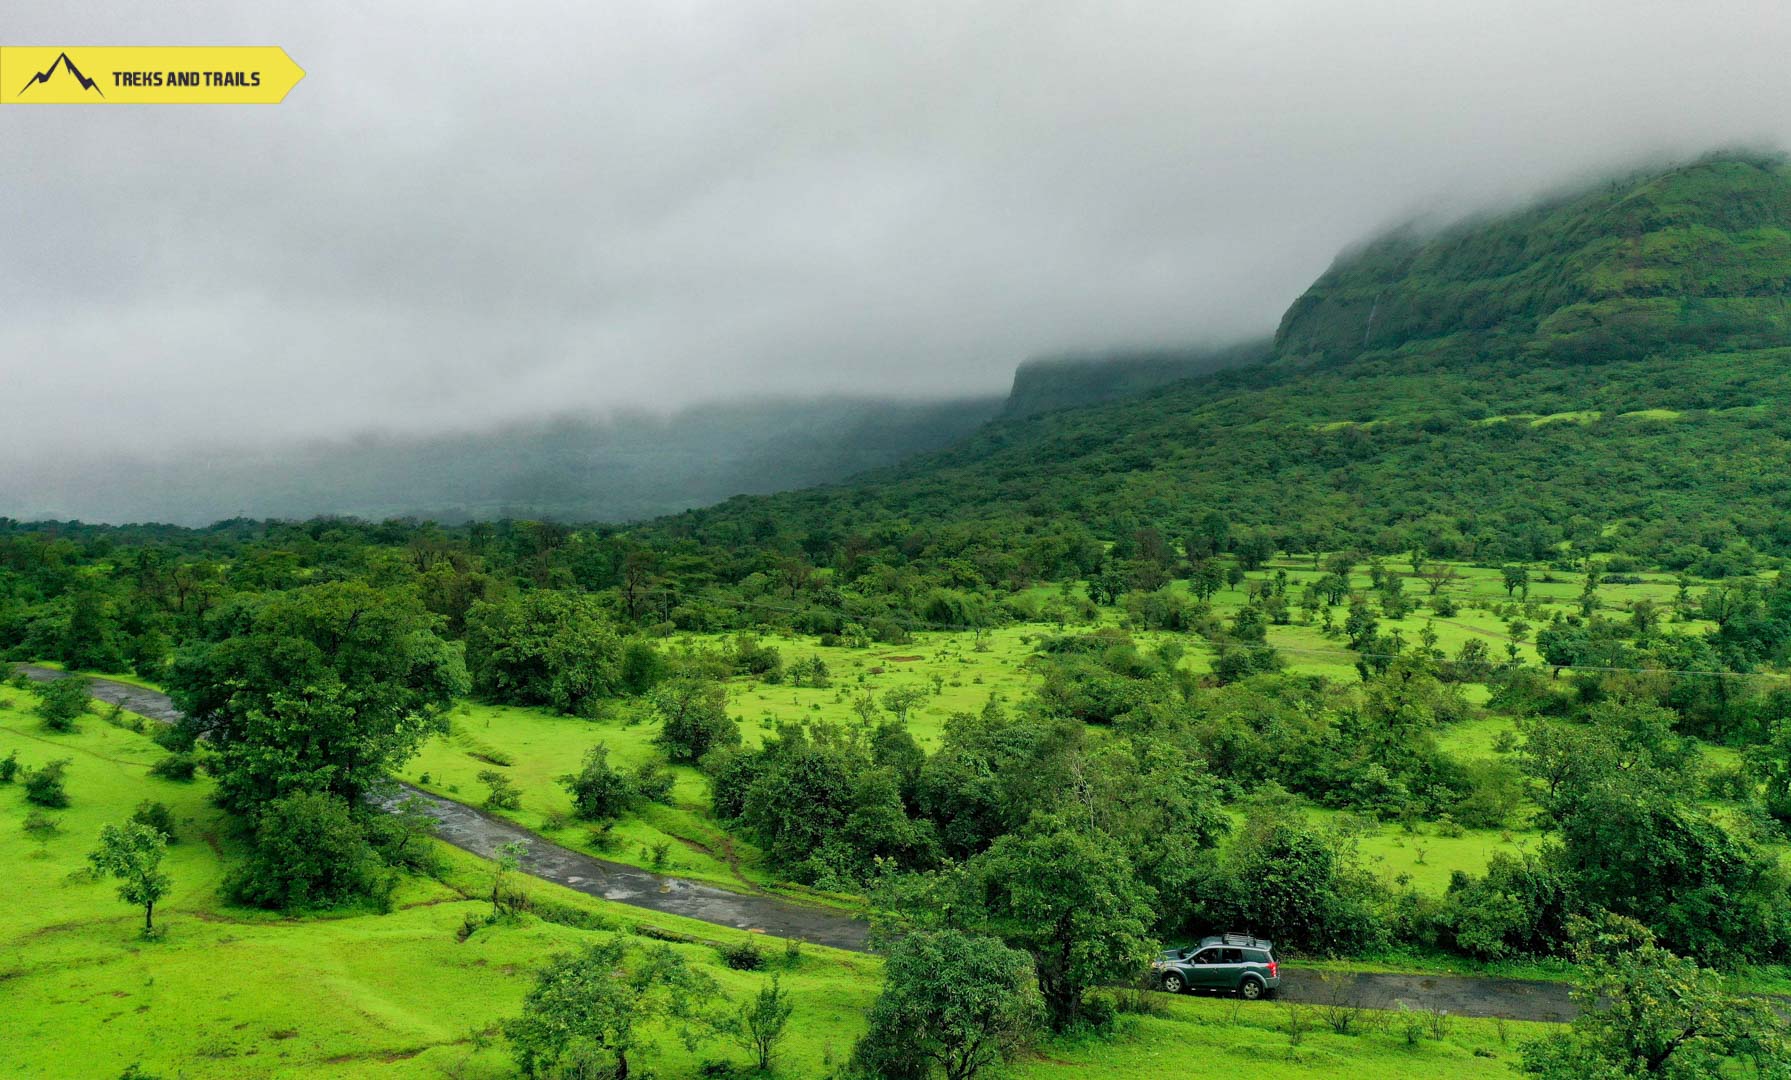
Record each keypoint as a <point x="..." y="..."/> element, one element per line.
<point x="1274" y="968"/>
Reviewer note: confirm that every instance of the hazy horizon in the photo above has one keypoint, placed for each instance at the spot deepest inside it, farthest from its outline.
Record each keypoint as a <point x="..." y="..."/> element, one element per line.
<point x="459" y="221"/>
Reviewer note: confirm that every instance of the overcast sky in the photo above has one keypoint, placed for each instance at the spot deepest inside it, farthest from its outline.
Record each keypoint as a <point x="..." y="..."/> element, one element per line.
<point x="468" y="214"/>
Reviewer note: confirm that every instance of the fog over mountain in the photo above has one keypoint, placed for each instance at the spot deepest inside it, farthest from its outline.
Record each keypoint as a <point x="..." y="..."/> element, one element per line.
<point x="468" y="218"/>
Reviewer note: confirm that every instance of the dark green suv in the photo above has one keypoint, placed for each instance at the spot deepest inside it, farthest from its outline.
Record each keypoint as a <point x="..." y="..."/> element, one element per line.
<point x="1230" y="962"/>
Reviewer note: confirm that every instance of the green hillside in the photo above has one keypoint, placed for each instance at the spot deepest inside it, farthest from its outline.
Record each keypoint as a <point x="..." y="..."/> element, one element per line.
<point x="1696" y="257"/>
<point x="1605" y="370"/>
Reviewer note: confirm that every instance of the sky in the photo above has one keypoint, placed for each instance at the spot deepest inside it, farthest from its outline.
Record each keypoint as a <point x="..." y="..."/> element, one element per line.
<point x="469" y="215"/>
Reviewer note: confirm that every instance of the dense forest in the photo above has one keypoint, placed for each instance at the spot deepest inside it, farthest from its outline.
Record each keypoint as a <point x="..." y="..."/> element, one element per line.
<point x="1482" y="564"/>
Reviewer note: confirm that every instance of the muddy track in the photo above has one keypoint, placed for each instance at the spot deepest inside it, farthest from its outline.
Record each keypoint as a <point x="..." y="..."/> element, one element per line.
<point x="481" y="834"/>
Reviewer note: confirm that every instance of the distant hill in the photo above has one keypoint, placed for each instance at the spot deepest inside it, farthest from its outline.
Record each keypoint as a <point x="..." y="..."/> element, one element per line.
<point x="625" y="469"/>
<point x="1067" y="382"/>
<point x="1610" y="369"/>
<point x="618" y="470"/>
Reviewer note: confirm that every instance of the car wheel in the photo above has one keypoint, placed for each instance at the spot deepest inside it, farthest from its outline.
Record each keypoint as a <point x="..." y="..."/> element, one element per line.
<point x="1172" y="983"/>
<point x="1251" y="989"/>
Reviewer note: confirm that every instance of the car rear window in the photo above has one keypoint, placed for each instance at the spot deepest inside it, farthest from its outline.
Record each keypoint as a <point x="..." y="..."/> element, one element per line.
<point x="1256" y="956"/>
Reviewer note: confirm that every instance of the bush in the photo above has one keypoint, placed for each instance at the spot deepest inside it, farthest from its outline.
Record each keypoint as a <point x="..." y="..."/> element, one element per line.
<point x="749" y="657"/>
<point x="180" y="766"/>
<point x="1518" y="908"/>
<point x="62" y="701"/>
<point x="952" y="996"/>
<point x="653" y="782"/>
<point x="44" y="786"/>
<point x="694" y="718"/>
<point x="504" y="795"/>
<point x="1300" y="885"/>
<point x="9" y="767"/>
<point x="158" y="817"/>
<point x="1495" y="791"/>
<point x="178" y="738"/>
<point x="744" y="955"/>
<point x="599" y="792"/>
<point x="545" y="647"/>
<point x="40" y="826"/>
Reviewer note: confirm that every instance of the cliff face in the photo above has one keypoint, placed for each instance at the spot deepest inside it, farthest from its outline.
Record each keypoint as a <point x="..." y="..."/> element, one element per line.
<point x="1064" y="382"/>
<point x="1696" y="256"/>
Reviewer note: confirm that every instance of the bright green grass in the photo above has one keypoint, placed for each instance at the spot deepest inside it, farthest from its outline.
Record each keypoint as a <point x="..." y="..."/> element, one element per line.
<point x="1215" y="1037"/>
<point x="542" y="747"/>
<point x="959" y="675"/>
<point x="228" y="992"/>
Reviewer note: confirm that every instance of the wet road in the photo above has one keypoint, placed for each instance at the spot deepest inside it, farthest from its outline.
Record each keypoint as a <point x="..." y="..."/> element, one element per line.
<point x="481" y="834"/>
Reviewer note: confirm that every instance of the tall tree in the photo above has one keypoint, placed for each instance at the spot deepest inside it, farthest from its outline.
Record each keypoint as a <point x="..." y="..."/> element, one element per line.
<point x="324" y="688"/>
<point x="958" y="1002"/>
<point x="1073" y="901"/>
<point x="589" y="1011"/>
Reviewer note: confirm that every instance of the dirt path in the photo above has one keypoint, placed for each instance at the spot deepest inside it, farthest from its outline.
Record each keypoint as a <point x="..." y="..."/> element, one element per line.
<point x="481" y="834"/>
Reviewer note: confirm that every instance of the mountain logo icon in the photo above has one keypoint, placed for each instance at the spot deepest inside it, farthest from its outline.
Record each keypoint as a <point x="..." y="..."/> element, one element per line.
<point x="63" y="61"/>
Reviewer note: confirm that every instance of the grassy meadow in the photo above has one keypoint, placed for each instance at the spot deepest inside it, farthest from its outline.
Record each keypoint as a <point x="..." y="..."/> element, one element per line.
<point x="225" y="991"/>
<point x="960" y="672"/>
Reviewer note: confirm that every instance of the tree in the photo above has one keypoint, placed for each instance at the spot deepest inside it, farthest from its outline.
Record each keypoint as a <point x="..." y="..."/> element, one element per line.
<point x="508" y="861"/>
<point x="132" y="853"/>
<point x="1073" y="901"/>
<point x="1437" y="575"/>
<point x="588" y="1011"/>
<point x="62" y="701"/>
<point x="1253" y="549"/>
<point x="902" y="700"/>
<point x="325" y="688"/>
<point x="544" y="647"/>
<point x="962" y="1002"/>
<point x="310" y="850"/>
<point x="1515" y="578"/>
<point x="599" y="792"/>
<point x="1298" y="883"/>
<point x="694" y="720"/>
<point x="1361" y="624"/>
<point x="762" y="1023"/>
<point x="1646" y="1012"/>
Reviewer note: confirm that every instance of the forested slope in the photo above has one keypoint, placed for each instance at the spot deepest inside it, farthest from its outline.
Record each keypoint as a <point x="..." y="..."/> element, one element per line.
<point x="1608" y="369"/>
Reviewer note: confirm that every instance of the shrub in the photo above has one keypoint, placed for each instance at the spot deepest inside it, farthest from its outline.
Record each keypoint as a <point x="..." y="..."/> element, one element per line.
<point x="40" y="826"/>
<point x="158" y="817"/>
<point x="62" y="701"/>
<point x="652" y="781"/>
<point x="599" y="792"/>
<point x="179" y="766"/>
<point x="9" y="767"/>
<point x="744" y="955"/>
<point x="44" y="786"/>
<point x="694" y="718"/>
<point x="504" y="795"/>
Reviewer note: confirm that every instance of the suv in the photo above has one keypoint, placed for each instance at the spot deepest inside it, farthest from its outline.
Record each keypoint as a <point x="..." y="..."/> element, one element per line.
<point x="1238" y="962"/>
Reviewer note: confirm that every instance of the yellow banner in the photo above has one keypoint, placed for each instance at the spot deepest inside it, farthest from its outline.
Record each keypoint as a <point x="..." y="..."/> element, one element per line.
<point x="146" y="75"/>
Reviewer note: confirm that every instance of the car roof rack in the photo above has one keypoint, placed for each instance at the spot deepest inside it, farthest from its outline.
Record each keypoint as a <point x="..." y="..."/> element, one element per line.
<point x="1250" y="940"/>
